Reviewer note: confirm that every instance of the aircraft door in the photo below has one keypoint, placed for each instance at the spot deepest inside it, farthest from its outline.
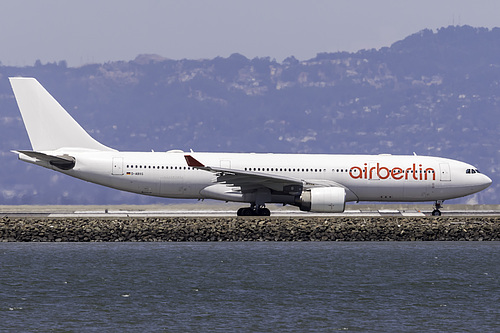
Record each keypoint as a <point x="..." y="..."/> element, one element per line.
<point x="225" y="164"/>
<point x="117" y="166"/>
<point x="445" y="174"/>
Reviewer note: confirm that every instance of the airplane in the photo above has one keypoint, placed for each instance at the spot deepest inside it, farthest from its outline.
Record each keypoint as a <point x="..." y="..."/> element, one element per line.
<point x="312" y="182"/>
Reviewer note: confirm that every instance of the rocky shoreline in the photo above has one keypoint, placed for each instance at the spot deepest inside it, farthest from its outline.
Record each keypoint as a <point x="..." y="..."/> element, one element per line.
<point x="175" y="229"/>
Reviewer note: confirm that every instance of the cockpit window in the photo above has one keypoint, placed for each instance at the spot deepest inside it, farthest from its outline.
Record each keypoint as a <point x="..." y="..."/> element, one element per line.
<point x="469" y="171"/>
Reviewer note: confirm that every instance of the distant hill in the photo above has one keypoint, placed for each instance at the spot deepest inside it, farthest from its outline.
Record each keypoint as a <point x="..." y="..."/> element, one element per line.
<point x="433" y="93"/>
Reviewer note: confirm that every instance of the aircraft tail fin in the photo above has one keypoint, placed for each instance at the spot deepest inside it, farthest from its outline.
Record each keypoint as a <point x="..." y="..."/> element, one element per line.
<point x="48" y="124"/>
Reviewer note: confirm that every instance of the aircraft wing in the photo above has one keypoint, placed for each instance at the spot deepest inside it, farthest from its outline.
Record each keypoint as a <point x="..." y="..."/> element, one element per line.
<point x="251" y="180"/>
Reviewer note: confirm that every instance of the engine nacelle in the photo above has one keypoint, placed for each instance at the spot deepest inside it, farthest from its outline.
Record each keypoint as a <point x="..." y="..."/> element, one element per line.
<point x="323" y="200"/>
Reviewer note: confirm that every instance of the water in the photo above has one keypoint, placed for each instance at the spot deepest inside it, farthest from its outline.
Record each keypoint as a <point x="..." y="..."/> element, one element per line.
<point x="250" y="287"/>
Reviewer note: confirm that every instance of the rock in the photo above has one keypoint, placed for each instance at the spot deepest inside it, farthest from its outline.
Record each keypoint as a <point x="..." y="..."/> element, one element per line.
<point x="250" y="229"/>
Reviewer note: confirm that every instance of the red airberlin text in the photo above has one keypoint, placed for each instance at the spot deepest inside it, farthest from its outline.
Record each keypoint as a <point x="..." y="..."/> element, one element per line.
<point x="380" y="172"/>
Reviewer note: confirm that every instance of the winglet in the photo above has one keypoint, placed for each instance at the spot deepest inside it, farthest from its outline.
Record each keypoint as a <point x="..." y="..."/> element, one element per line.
<point x="193" y="162"/>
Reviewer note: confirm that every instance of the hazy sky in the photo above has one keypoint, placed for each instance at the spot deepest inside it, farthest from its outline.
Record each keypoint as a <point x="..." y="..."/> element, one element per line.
<point x="102" y="30"/>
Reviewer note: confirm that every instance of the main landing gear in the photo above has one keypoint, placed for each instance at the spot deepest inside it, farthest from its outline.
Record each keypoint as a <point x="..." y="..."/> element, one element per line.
<point x="254" y="211"/>
<point x="437" y="206"/>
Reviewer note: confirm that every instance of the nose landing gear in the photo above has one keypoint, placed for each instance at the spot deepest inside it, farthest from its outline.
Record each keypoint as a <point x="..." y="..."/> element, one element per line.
<point x="437" y="206"/>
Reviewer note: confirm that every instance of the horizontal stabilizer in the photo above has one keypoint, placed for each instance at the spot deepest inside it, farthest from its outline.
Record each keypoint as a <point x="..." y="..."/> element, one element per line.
<point x="64" y="162"/>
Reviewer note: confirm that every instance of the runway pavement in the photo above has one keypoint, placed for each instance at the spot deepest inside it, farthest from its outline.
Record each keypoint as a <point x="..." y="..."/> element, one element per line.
<point x="279" y="213"/>
<point x="229" y="210"/>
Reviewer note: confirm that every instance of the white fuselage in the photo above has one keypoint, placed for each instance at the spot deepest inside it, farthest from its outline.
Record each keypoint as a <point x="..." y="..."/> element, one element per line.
<point x="320" y="183"/>
<point x="364" y="177"/>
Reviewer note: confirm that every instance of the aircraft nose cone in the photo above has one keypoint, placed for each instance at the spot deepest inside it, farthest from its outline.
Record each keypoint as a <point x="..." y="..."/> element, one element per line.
<point x="485" y="182"/>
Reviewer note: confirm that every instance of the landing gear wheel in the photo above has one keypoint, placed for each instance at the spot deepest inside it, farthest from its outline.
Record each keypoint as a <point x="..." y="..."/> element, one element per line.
<point x="436" y="212"/>
<point x="437" y="206"/>
<point x="252" y="211"/>
<point x="245" y="212"/>
<point x="264" y="212"/>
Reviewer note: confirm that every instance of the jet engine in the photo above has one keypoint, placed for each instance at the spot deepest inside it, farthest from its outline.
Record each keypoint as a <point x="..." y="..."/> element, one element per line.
<point x="323" y="200"/>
